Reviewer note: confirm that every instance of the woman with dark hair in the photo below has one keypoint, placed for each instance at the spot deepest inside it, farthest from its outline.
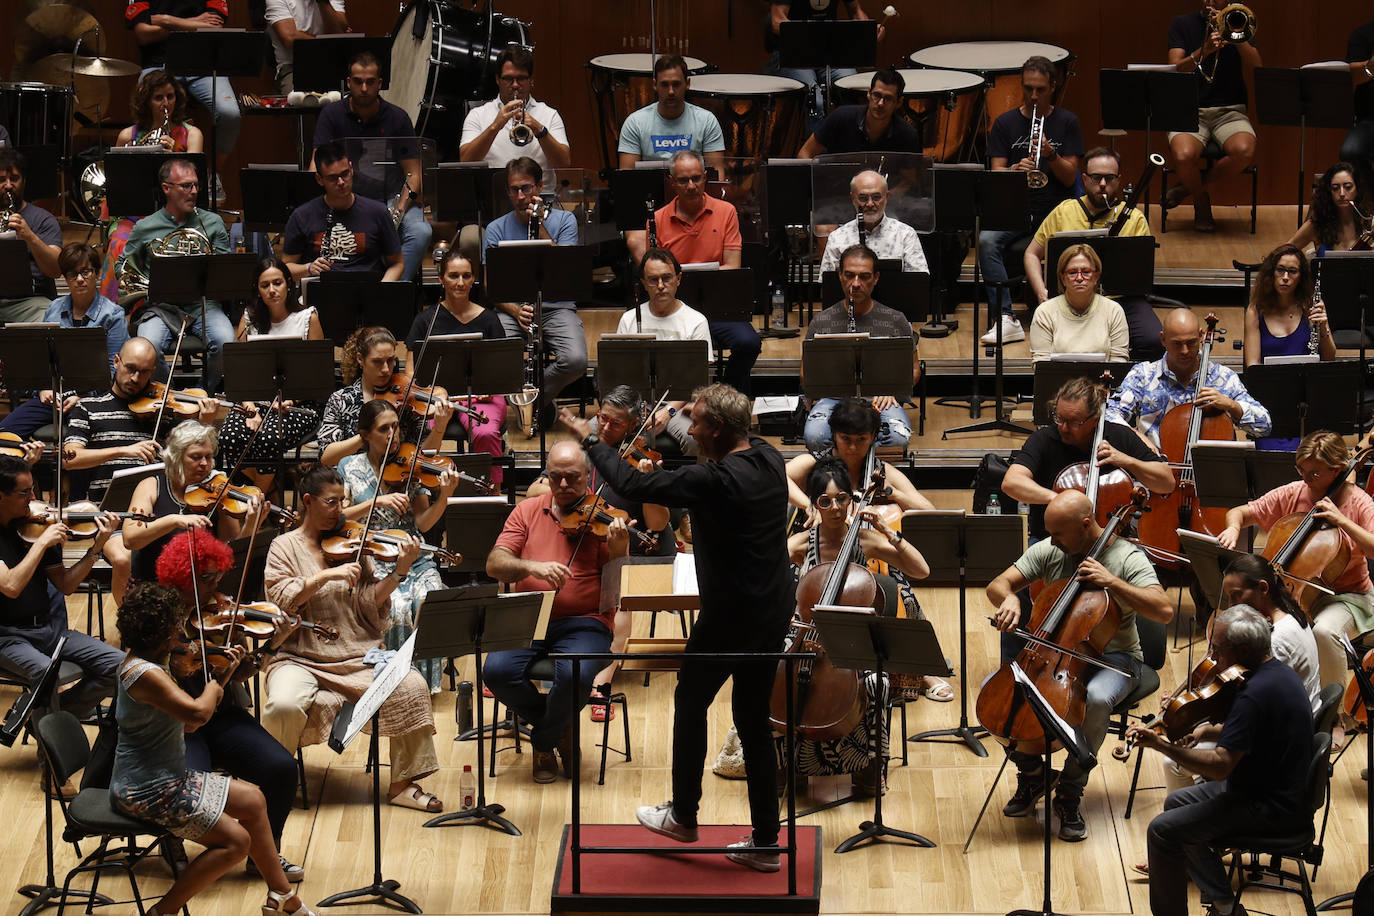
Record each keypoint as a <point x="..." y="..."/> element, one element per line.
<point x="151" y="779"/>
<point x="411" y="510"/>
<point x="83" y="306"/>
<point x="1340" y="214"/>
<point x="1251" y="580"/>
<point x="277" y="310"/>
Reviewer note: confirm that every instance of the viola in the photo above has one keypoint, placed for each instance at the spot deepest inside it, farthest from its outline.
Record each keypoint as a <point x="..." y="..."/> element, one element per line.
<point x="400" y="391"/>
<point x="184" y="403"/>
<point x="1068" y="614"/>
<point x="344" y="544"/>
<point x="216" y="492"/>
<point x="403" y="466"/>
<point x="1183" y="427"/>
<point x="1206" y="696"/>
<point x="79" y="517"/>
<point x="593" y="515"/>
<point x="1106" y="489"/>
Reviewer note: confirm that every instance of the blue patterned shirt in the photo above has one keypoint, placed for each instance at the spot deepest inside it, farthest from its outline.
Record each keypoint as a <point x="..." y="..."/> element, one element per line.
<point x="1150" y="390"/>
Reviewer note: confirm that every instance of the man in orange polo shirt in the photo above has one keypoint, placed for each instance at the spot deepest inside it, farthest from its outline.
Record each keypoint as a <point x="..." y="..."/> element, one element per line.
<point x="698" y="228"/>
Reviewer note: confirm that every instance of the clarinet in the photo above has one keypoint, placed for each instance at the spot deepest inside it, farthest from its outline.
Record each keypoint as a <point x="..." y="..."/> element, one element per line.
<point x="863" y="233"/>
<point x="653" y="223"/>
<point x="849" y="307"/>
<point x="1314" y="338"/>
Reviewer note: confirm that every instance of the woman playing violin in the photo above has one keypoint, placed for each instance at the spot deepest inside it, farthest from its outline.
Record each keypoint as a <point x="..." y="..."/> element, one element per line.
<point x="459" y="314"/>
<point x="189" y="456"/>
<point x="411" y="509"/>
<point x="231" y="740"/>
<point x="1252" y="580"/>
<point x="1321" y="456"/>
<point x="368" y="363"/>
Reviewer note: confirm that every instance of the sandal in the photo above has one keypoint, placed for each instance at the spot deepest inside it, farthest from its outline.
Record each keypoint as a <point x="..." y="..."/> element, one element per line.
<point x="276" y="905"/>
<point x="937" y="689"/>
<point x="602" y="710"/>
<point x="412" y="796"/>
<point x="1142" y="868"/>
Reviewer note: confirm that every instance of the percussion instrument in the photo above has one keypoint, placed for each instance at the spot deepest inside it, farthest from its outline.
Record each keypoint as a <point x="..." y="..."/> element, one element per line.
<point x="442" y="56"/>
<point x="621" y="84"/>
<point x="999" y="63"/>
<point x="103" y="67"/>
<point x="939" y="103"/>
<point x="38" y="114"/>
<point x="763" y="117"/>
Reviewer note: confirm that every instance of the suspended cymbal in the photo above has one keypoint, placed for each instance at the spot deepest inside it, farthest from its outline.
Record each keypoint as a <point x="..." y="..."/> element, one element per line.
<point x="99" y="66"/>
<point x="60" y="20"/>
<point x="92" y="93"/>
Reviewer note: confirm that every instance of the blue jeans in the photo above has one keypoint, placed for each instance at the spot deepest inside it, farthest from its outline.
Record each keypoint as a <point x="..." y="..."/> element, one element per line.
<point x="566" y="339"/>
<point x="893" y="426"/>
<point x="549" y="714"/>
<point x="742" y="340"/>
<point x="415" y="234"/>
<point x="220" y="332"/>
<point x="220" y="99"/>
<point x="815" y="86"/>
<point x="992" y="249"/>
<point x="28" y="418"/>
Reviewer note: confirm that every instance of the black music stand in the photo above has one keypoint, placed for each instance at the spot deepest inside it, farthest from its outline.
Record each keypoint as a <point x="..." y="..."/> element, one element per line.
<point x="271" y="193"/>
<point x="906" y="291"/>
<point x="215" y="53"/>
<point x="785" y="198"/>
<point x="321" y="64"/>
<point x="460" y="623"/>
<point x="1209" y="561"/>
<point x="539" y="271"/>
<point x="279" y="367"/>
<point x="720" y="295"/>
<point x="1303" y="98"/>
<point x="346" y="727"/>
<point x="851" y="43"/>
<point x="978" y="549"/>
<point x="1051" y="374"/>
<point x="202" y="278"/>
<point x="1359" y="904"/>
<point x="469" y="364"/>
<point x="1229" y="475"/>
<point x="1303" y="397"/>
<point x="346" y="305"/>
<point x="16" y="280"/>
<point x="461" y="192"/>
<point x="1148" y="100"/>
<point x="1347" y="286"/>
<point x="860" y="640"/>
<point x="656" y="365"/>
<point x="856" y="365"/>
<point x="632" y="191"/>
<point x="1128" y="262"/>
<point x="471" y="526"/>
<point x="131" y="184"/>
<point x="974" y="200"/>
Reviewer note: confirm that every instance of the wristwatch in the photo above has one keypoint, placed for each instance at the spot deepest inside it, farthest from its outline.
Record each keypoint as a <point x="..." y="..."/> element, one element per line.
<point x="544" y="132"/>
<point x="589" y="440"/>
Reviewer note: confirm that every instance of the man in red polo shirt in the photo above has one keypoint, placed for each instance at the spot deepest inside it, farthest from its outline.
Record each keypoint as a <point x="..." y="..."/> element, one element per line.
<point x="698" y="228"/>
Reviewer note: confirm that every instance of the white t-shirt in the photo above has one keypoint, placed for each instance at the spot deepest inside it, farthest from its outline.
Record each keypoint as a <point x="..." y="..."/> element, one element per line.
<point x="295" y="324"/>
<point x="684" y="324"/>
<point x="502" y="150"/>
<point x="308" y="19"/>
<point x="1296" y="646"/>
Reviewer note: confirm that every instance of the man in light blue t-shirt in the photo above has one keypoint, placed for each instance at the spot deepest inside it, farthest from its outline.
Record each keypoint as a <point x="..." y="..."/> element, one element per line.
<point x="672" y="123"/>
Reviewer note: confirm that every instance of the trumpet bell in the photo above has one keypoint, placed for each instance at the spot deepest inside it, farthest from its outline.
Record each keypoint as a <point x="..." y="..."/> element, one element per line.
<point x="524" y="398"/>
<point x="1236" y="23"/>
<point x="1037" y="179"/>
<point x="521" y="135"/>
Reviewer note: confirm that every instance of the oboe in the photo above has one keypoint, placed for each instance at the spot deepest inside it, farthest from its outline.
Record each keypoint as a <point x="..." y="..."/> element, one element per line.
<point x="1314" y="338"/>
<point x="863" y="233"/>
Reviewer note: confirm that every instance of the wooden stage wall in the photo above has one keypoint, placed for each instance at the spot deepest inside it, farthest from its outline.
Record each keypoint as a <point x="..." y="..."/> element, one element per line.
<point x="729" y="34"/>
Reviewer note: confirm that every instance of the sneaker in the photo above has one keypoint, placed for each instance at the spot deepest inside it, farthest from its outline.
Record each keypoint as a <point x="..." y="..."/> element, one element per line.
<point x="544" y="766"/>
<point x="1072" y="827"/>
<point x="659" y="819"/>
<point x="1030" y="787"/>
<point x="1012" y="332"/>
<point x="758" y="861"/>
<point x="294" y="873"/>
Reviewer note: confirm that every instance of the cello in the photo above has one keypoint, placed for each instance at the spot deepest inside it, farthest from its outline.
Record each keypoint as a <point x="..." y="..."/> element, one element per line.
<point x="827" y="701"/>
<point x="1183" y="427"/>
<point x="1067" y="615"/>
<point x="1106" y="489"/>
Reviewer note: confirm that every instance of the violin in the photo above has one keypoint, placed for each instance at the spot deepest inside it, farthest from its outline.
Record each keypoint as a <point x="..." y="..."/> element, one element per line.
<point x="1106" y="489"/>
<point x="258" y="620"/>
<point x="1070" y="615"/>
<point x="636" y="450"/>
<point x="79" y="517"/>
<point x="1206" y="696"/>
<point x="594" y="515"/>
<point x="343" y="546"/>
<point x="12" y="444"/>
<point x="185" y="659"/>
<point x="1182" y="428"/>
<point x="400" y="391"/>
<point x="184" y="403"/>
<point x="400" y="468"/>
<point x="216" y="492"/>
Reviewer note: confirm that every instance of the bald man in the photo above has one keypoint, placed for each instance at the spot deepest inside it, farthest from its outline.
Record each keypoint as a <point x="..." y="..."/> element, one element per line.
<point x="1151" y="389"/>
<point x="890" y="239"/>
<point x="1129" y="579"/>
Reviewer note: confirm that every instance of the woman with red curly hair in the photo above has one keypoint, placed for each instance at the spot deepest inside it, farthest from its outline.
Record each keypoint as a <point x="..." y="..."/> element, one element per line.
<point x="232" y="740"/>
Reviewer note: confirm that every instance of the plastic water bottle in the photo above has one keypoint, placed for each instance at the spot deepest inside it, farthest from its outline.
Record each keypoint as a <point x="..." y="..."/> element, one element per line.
<point x="467" y="788"/>
<point x="994" y="506"/>
<point x="779" y="316"/>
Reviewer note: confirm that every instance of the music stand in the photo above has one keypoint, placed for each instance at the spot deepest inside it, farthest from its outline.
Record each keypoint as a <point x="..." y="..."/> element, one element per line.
<point x="906" y="291"/>
<point x="471" y="526"/>
<point x="248" y="566"/>
<point x="860" y="640"/>
<point x="631" y="193"/>
<point x="16" y="280"/>
<point x="1208" y="560"/>
<point x="271" y="193"/>
<point x="1302" y="98"/>
<point x="977" y="199"/>
<point x="458" y="622"/>
<point x="1228" y="475"/>
<point x="852" y="44"/>
<point x="321" y="64"/>
<point x="215" y="53"/>
<point x="1363" y="683"/>
<point x="345" y="306"/>
<point x="682" y="366"/>
<point x="131" y="184"/>
<point x="1051" y="374"/>
<point x="1128" y="262"/>
<point x="202" y="278"/>
<point x="1347" y="285"/>
<point x="785" y="199"/>
<point x="856" y="365"/>
<point x="1305" y="397"/>
<point x="1148" y="99"/>
<point x="976" y="549"/>
<point x="347" y="724"/>
<point x="279" y="367"/>
<point x="720" y="295"/>
<point x="460" y="192"/>
<point x="475" y="364"/>
<point x="120" y="493"/>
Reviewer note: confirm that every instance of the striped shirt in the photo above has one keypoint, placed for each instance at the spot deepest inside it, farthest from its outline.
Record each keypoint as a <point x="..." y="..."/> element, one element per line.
<point x="105" y="421"/>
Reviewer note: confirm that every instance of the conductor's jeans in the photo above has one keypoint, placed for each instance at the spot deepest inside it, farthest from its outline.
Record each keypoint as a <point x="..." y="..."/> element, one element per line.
<point x="697" y="685"/>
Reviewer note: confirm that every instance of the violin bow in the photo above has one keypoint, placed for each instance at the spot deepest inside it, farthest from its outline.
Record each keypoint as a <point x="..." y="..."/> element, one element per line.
<point x="223" y="493"/>
<point x="644" y="423"/>
<point x="195" y="594"/>
<point x="419" y="439"/>
<point x="372" y="508"/>
<point x="167" y="388"/>
<point x="243" y="581"/>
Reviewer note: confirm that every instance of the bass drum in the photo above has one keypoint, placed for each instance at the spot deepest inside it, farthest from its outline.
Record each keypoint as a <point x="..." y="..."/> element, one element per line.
<point x="443" y="57"/>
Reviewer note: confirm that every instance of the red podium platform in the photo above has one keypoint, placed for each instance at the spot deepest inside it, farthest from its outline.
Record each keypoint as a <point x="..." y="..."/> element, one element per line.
<point x="675" y="882"/>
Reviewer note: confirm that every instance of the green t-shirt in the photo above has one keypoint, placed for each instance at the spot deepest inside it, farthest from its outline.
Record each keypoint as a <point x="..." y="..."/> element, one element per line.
<point x="1125" y="561"/>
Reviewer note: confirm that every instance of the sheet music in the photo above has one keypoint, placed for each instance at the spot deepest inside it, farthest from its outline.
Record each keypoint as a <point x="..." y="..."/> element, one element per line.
<point x="383" y="684"/>
<point x="1025" y="681"/>
<point x="775" y="404"/>
<point x="685" y="574"/>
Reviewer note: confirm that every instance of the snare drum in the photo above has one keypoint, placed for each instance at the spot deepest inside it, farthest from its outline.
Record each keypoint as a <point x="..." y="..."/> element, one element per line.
<point x="621" y="84"/>
<point x="939" y="103"/>
<point x="38" y="114"/>
<point x="762" y="116"/>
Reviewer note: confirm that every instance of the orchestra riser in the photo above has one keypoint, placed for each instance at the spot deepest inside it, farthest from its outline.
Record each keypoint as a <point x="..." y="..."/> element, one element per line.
<point x="471" y="869"/>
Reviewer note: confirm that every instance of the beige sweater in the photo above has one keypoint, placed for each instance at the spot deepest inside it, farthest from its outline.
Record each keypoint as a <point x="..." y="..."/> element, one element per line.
<point x="1101" y="329"/>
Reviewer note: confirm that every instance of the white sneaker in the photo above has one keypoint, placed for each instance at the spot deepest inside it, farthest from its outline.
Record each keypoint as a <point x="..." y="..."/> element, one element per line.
<point x="1012" y="332"/>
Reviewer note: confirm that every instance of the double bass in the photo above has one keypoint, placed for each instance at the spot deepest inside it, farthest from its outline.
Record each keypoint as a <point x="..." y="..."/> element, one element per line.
<point x="1067" y="615"/>
<point x="1183" y="427"/>
<point x="1106" y="489"/>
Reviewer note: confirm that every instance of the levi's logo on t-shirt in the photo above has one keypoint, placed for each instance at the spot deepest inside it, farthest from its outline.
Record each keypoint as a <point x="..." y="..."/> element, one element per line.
<point x="670" y="143"/>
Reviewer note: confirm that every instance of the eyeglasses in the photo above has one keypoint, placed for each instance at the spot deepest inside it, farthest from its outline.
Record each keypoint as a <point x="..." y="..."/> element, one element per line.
<point x="606" y="421"/>
<point x="27" y="492"/>
<point x="881" y="98"/>
<point x="508" y="80"/>
<point x="838" y="501"/>
<point x="664" y="280"/>
<point x="184" y="185"/>
<point x="1100" y="179"/>
<point x="1057" y="420"/>
<point x="870" y="198"/>
<point x="1287" y="271"/>
<point x="520" y="190"/>
<point x="340" y="178"/>
<point x="329" y="502"/>
<point x="683" y="181"/>
<point x="560" y="479"/>
<point x="1080" y="272"/>
<point x="84" y="273"/>
<point x="864" y="277"/>
<point x="1311" y="475"/>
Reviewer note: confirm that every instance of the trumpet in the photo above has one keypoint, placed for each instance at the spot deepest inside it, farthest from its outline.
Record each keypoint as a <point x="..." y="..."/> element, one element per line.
<point x="1234" y="22"/>
<point x="1036" y="178"/>
<point x="8" y="213"/>
<point x="520" y="133"/>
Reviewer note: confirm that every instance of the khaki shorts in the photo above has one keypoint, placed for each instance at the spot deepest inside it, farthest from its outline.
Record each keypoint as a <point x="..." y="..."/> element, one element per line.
<point x="1219" y="124"/>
